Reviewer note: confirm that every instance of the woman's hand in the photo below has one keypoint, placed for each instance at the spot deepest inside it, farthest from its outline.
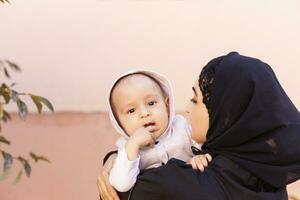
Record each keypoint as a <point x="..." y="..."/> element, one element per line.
<point x="200" y="161"/>
<point x="106" y="191"/>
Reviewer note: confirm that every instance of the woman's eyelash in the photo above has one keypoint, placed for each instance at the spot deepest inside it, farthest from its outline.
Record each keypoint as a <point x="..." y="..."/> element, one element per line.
<point x="193" y="100"/>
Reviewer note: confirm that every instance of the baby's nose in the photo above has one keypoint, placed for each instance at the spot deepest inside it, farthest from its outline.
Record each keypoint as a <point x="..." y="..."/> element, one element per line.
<point x="144" y="112"/>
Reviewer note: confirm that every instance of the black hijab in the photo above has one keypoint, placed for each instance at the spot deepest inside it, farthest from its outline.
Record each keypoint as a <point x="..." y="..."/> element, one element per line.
<point x="252" y="120"/>
<point x="254" y="135"/>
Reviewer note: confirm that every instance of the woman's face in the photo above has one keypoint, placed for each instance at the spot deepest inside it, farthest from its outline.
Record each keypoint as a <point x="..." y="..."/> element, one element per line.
<point x="197" y="115"/>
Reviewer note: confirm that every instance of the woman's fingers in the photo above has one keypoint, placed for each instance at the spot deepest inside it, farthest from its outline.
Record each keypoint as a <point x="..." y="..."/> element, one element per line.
<point x="111" y="191"/>
<point x="101" y="197"/>
<point x="102" y="188"/>
<point x="106" y="190"/>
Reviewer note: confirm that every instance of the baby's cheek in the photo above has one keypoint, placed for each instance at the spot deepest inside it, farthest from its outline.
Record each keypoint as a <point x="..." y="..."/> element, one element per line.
<point x="128" y="125"/>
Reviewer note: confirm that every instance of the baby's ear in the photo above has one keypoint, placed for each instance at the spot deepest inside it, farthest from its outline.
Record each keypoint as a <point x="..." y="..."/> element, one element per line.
<point x="167" y="101"/>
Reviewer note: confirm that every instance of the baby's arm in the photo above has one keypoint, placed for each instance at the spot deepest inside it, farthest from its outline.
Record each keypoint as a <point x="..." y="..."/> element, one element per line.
<point x="126" y="167"/>
<point x="124" y="172"/>
<point x="140" y="138"/>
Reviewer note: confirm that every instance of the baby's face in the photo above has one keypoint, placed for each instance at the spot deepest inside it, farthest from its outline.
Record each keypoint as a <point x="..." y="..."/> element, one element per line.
<point x="138" y="102"/>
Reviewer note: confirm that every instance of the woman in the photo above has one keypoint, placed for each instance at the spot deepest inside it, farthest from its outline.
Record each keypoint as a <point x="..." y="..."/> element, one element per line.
<point x="249" y="125"/>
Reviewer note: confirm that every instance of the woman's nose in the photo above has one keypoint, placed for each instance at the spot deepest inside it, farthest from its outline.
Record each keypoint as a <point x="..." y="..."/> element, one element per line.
<point x="187" y="109"/>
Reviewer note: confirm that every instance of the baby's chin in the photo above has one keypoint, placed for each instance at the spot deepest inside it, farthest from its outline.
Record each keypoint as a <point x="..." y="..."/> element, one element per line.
<point x="159" y="133"/>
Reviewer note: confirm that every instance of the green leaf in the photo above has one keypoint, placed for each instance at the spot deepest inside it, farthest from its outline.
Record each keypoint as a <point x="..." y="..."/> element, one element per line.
<point x="6" y="73"/>
<point x="43" y="100"/>
<point x="5" y="92"/>
<point x="18" y="178"/>
<point x="36" y="158"/>
<point x="47" y="103"/>
<point x="6" y="97"/>
<point x="26" y="165"/>
<point x="8" y="160"/>
<point x="4" y="140"/>
<point x="27" y="168"/>
<point x="6" y="116"/>
<point x="22" y="109"/>
<point x="4" y="175"/>
<point x="12" y="65"/>
<point x="1" y="111"/>
<point x="14" y="95"/>
<point x="37" y="102"/>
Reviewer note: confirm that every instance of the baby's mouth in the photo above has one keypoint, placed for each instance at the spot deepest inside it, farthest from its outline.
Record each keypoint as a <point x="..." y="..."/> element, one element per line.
<point x="149" y="124"/>
<point x="151" y="127"/>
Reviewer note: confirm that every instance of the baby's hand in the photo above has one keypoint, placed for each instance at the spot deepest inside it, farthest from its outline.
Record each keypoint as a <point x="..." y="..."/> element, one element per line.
<point x="200" y="161"/>
<point x="142" y="137"/>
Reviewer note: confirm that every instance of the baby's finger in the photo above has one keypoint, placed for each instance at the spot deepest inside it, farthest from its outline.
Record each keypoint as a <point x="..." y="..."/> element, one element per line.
<point x="189" y="162"/>
<point x="193" y="163"/>
<point x="199" y="165"/>
<point x="153" y="138"/>
<point x="208" y="156"/>
<point x="204" y="161"/>
<point x="150" y="129"/>
<point x="151" y="143"/>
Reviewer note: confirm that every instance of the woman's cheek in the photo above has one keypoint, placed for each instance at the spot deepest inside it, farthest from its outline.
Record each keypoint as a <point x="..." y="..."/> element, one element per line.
<point x="194" y="129"/>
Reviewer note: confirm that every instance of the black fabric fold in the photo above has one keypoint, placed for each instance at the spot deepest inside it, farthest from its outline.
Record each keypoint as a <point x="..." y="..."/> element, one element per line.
<point x="252" y="120"/>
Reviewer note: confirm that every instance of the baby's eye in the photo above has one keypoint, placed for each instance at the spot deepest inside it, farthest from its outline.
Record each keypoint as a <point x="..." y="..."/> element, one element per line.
<point x="151" y="103"/>
<point x="193" y="100"/>
<point x="130" y="111"/>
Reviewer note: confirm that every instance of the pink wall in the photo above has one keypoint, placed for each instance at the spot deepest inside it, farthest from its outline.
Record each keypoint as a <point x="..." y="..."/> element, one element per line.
<point x="71" y="45"/>
<point x="75" y="144"/>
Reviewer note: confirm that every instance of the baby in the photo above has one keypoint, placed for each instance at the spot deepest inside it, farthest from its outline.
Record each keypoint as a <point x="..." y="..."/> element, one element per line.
<point x="142" y="111"/>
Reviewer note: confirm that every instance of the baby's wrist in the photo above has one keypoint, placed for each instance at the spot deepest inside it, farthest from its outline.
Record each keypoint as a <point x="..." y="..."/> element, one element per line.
<point x="132" y="150"/>
<point x="132" y="143"/>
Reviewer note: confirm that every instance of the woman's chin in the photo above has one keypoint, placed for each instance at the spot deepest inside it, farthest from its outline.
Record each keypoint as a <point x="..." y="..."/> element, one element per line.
<point x="197" y="138"/>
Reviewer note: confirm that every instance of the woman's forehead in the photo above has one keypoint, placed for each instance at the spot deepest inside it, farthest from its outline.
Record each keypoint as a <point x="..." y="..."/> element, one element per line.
<point x="196" y="87"/>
